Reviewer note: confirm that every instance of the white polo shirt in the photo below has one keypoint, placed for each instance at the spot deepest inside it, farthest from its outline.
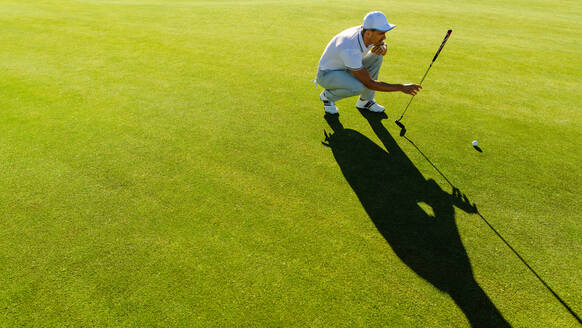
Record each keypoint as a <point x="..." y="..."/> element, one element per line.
<point x="345" y="51"/>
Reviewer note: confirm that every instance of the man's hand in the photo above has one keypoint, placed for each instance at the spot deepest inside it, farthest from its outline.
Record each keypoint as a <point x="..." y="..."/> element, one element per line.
<point x="411" y="89"/>
<point x="380" y="50"/>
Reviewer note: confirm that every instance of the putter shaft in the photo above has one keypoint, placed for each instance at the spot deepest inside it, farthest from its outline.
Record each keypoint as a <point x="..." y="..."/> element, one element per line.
<point x="433" y="60"/>
<point x="401" y="116"/>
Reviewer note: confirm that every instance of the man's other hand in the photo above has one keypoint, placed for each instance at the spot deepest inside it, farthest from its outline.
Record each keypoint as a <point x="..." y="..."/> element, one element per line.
<point x="380" y="50"/>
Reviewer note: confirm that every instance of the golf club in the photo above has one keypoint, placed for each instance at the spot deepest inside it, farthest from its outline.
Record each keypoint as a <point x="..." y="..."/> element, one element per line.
<point x="403" y="129"/>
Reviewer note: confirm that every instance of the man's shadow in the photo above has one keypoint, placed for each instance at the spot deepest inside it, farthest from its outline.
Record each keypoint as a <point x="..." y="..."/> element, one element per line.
<point x="391" y="190"/>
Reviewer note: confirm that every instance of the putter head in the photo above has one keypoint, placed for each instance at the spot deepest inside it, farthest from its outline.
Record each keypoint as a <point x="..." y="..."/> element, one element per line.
<point x="402" y="128"/>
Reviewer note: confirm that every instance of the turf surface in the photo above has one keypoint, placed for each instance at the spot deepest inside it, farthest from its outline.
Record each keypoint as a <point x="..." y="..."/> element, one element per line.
<point x="161" y="165"/>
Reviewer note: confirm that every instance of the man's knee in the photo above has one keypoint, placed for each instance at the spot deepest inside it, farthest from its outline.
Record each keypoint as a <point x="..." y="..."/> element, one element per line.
<point x="358" y="89"/>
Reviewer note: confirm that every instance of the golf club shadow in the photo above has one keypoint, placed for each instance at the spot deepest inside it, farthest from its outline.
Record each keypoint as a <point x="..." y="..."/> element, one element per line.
<point x="393" y="192"/>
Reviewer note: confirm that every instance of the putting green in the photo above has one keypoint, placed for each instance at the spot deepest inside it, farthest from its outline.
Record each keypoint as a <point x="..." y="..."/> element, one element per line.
<point x="162" y="165"/>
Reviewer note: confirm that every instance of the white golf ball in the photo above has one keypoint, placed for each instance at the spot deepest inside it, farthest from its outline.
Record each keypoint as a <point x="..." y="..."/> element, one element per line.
<point x="475" y="143"/>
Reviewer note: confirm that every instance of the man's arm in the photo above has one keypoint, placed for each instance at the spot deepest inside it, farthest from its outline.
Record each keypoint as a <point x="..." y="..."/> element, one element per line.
<point x="363" y="76"/>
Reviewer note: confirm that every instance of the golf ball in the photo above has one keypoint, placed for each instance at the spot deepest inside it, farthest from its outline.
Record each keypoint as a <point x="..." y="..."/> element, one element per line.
<point x="475" y="143"/>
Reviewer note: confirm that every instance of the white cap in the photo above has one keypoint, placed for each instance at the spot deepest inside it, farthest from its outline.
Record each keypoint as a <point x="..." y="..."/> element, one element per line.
<point x="376" y="20"/>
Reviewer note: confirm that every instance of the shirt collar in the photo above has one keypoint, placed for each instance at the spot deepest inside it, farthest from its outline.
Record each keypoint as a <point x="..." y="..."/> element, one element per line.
<point x="361" y="41"/>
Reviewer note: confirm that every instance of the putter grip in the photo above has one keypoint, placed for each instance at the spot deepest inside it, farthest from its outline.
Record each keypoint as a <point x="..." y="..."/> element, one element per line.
<point x="442" y="44"/>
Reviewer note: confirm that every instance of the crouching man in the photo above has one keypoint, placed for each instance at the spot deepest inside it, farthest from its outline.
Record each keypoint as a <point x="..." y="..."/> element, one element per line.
<point x="351" y="62"/>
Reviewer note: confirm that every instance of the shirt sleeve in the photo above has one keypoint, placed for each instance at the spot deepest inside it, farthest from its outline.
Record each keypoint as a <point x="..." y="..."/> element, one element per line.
<point x="352" y="59"/>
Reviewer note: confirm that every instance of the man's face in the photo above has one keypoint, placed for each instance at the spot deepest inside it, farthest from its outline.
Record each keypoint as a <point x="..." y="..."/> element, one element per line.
<point x="376" y="37"/>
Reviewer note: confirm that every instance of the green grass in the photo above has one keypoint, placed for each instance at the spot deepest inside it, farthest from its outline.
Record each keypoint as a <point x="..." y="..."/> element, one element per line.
<point x="161" y="162"/>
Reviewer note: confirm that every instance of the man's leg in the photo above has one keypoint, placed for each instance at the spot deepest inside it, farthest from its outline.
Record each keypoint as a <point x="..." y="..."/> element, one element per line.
<point x="339" y="84"/>
<point x="372" y="63"/>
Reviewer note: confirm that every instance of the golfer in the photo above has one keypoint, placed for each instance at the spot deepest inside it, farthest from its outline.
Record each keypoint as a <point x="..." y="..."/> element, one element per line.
<point x="351" y="62"/>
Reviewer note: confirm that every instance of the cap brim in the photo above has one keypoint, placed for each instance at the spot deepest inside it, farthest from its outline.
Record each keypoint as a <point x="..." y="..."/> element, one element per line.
<point x="387" y="27"/>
